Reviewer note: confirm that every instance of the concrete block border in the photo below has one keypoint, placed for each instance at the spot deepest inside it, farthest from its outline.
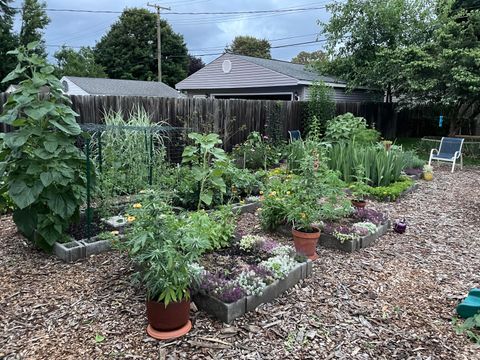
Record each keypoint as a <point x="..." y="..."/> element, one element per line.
<point x="331" y="242"/>
<point x="70" y="252"/>
<point x="228" y="312"/>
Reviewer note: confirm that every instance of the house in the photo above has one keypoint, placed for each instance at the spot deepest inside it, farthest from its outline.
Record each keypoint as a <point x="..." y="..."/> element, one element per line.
<point x="246" y="77"/>
<point x="74" y="85"/>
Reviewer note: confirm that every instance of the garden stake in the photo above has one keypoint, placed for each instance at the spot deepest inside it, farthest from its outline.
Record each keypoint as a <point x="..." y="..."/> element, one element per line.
<point x="99" y="140"/>
<point x="89" y="210"/>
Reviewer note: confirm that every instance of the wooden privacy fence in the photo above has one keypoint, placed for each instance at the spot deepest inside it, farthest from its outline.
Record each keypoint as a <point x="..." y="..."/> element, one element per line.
<point x="234" y="119"/>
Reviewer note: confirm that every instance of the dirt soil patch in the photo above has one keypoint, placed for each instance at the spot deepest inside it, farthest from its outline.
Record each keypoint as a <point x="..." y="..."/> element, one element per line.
<point x="394" y="300"/>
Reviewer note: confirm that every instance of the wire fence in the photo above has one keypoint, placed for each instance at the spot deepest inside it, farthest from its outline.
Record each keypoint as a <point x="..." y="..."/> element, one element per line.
<point x="122" y="160"/>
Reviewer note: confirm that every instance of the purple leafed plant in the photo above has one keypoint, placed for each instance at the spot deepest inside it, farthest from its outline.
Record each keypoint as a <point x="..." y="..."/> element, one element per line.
<point x="225" y="290"/>
<point x="370" y="215"/>
<point x="268" y="246"/>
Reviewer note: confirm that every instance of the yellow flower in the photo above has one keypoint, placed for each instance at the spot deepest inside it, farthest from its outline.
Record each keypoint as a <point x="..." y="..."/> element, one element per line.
<point x="242" y="201"/>
<point x="130" y="218"/>
<point x="303" y="215"/>
<point x="142" y="191"/>
<point x="273" y="193"/>
<point x="288" y="193"/>
<point x="115" y="232"/>
<point x="261" y="193"/>
<point x="137" y="206"/>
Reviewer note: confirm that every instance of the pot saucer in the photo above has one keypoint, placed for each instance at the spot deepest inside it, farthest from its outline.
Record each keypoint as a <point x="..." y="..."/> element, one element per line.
<point x="166" y="335"/>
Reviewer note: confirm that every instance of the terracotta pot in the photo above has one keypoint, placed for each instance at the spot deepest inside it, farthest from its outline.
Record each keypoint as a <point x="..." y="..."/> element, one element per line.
<point x="306" y="243"/>
<point x="359" y="203"/>
<point x="169" y="318"/>
<point x="428" y="176"/>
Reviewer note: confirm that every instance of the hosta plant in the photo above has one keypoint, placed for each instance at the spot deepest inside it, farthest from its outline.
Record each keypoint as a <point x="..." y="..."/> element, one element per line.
<point x="44" y="172"/>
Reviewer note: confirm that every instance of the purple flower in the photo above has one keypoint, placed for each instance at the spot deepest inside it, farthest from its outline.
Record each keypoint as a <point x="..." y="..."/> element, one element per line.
<point x="230" y="294"/>
<point x="370" y="215"/>
<point x="262" y="272"/>
<point x="218" y="286"/>
<point x="268" y="246"/>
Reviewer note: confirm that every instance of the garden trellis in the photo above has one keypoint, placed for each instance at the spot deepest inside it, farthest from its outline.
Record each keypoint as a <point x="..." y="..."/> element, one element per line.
<point x="126" y="159"/>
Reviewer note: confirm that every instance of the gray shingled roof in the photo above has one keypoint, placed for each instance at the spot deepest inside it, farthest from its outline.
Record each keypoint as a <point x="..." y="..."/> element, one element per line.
<point x="100" y="86"/>
<point x="297" y="71"/>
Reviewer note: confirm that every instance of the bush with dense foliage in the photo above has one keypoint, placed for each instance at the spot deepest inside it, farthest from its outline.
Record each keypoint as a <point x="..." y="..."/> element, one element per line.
<point x="43" y="169"/>
<point x="257" y="152"/>
<point x="348" y="127"/>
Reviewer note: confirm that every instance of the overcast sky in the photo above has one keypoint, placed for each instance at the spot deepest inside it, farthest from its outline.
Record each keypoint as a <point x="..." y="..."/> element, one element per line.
<point x="204" y="34"/>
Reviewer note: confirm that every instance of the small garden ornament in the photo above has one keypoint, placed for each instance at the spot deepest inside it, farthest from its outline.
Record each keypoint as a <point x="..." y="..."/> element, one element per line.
<point x="428" y="172"/>
<point x="400" y="226"/>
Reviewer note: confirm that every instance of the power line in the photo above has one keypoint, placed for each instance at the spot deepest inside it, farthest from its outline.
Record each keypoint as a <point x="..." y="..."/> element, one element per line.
<point x="191" y="13"/>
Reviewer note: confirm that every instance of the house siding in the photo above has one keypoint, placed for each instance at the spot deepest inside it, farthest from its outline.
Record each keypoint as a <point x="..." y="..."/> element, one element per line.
<point x="243" y="74"/>
<point x="73" y="89"/>
<point x="341" y="95"/>
<point x="247" y="91"/>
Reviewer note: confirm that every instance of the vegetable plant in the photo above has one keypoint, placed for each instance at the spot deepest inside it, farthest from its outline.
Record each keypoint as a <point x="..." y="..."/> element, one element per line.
<point x="207" y="165"/>
<point x="44" y="172"/>
<point x="348" y="127"/>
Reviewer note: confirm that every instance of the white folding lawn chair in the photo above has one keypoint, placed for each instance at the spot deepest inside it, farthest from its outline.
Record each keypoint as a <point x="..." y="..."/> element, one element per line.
<point x="450" y="150"/>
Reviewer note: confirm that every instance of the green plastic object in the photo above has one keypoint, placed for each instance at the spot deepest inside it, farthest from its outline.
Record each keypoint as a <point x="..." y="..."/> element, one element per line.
<point x="470" y="305"/>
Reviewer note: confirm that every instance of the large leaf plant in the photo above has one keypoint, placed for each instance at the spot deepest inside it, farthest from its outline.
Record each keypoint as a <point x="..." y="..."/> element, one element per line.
<point x="44" y="172"/>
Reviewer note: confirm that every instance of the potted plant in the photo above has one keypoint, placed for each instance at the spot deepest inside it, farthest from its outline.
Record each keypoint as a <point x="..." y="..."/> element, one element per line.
<point x="360" y="188"/>
<point x="165" y="247"/>
<point x="428" y="172"/>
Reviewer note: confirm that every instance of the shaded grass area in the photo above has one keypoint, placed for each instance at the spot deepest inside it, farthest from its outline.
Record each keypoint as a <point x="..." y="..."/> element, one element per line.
<point x="471" y="151"/>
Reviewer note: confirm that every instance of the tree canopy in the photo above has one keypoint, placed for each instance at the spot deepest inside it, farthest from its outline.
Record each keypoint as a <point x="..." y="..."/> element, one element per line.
<point x="359" y="29"/>
<point x="129" y="49"/>
<point x="250" y="46"/>
<point x="34" y="21"/>
<point x="194" y="64"/>
<point x="307" y="58"/>
<point x="77" y="63"/>
<point x="8" y="40"/>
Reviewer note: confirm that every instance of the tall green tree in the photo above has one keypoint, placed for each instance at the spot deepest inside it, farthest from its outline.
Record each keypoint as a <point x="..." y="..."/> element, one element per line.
<point x="8" y="40"/>
<point x="77" y="63"/>
<point x="444" y="71"/>
<point x="129" y="49"/>
<point x="250" y="46"/>
<point x="34" y="21"/>
<point x="359" y="30"/>
<point x="195" y="64"/>
<point x="307" y="58"/>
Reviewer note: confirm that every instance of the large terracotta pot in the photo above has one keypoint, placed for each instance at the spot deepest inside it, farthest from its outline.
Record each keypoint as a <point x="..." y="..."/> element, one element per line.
<point x="169" y="318"/>
<point x="306" y="243"/>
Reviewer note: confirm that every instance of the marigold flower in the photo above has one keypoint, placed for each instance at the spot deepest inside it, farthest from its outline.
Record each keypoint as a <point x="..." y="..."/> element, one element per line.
<point x="137" y="206"/>
<point x="131" y="218"/>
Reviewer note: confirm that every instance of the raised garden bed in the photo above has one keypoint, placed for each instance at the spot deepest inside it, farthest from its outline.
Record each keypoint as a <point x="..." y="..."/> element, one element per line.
<point x="227" y="312"/>
<point x="331" y="242"/>
<point x="77" y="250"/>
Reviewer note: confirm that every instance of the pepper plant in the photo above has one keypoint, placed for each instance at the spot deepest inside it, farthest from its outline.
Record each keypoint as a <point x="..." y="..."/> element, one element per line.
<point x="208" y="164"/>
<point x="44" y="171"/>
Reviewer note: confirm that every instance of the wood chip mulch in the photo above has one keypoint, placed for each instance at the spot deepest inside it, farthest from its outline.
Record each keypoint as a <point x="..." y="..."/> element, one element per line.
<point x="394" y="300"/>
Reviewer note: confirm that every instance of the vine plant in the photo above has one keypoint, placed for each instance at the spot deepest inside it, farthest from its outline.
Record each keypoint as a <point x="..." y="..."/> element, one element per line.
<point x="44" y="171"/>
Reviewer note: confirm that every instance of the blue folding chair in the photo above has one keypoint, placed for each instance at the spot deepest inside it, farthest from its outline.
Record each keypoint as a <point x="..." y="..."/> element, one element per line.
<point x="450" y="150"/>
<point x="294" y="135"/>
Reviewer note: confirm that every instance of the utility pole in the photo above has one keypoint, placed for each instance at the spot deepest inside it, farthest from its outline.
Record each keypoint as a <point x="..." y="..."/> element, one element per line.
<point x="159" y="38"/>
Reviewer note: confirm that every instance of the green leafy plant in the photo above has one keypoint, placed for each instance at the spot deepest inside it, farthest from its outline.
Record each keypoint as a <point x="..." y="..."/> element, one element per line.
<point x="387" y="193"/>
<point x="470" y="327"/>
<point x="207" y="164"/>
<point x="166" y="246"/>
<point x="321" y="109"/>
<point x="348" y="127"/>
<point x="43" y="169"/>
<point x="380" y="167"/>
<point x="218" y="226"/>
<point x="257" y="152"/>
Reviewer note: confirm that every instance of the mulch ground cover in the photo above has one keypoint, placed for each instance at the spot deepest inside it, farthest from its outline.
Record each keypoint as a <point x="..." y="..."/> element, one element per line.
<point x="394" y="300"/>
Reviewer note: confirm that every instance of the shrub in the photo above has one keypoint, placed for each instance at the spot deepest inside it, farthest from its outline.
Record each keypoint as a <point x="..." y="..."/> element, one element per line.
<point x="392" y="191"/>
<point x="257" y="152"/>
<point x="43" y="169"/>
<point x="412" y="161"/>
<point x="347" y="127"/>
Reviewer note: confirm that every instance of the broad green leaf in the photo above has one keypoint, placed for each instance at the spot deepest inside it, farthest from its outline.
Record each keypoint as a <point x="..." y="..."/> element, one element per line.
<point x="32" y="45"/>
<point x="207" y="197"/>
<point x="47" y="69"/>
<point x="37" y="113"/>
<point x="23" y="195"/>
<point x="16" y="139"/>
<point x="47" y="178"/>
<point x="99" y="338"/>
<point x="67" y="128"/>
